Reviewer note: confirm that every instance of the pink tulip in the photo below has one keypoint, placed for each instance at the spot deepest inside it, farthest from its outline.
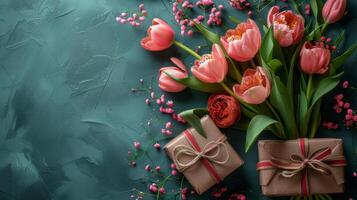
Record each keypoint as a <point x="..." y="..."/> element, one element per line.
<point x="212" y="68"/>
<point x="166" y="83"/>
<point x="255" y="86"/>
<point x="288" y="26"/>
<point x="333" y="10"/>
<point x="314" y="59"/>
<point x="160" y="36"/>
<point x="243" y="42"/>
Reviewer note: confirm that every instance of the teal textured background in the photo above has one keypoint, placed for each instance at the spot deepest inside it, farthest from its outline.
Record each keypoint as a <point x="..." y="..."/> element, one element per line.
<point x="67" y="115"/>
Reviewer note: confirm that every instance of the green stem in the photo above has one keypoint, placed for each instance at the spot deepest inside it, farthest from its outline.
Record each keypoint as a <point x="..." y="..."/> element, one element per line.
<point x="276" y="115"/>
<point x="309" y="88"/>
<point x="323" y="28"/>
<point x="162" y="185"/>
<point x="187" y="49"/>
<point x="229" y="91"/>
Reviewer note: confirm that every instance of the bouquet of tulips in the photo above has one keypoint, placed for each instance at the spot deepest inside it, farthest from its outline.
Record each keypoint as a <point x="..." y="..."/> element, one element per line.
<point x="276" y="81"/>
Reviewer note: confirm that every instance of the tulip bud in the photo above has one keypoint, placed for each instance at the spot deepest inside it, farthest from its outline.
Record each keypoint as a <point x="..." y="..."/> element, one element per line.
<point x="334" y="10"/>
<point x="314" y="59"/>
<point x="166" y="83"/>
<point x="160" y="36"/>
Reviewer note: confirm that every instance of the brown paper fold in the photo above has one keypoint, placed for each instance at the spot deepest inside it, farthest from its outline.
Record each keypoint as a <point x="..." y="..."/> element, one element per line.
<point x="198" y="175"/>
<point x="274" y="184"/>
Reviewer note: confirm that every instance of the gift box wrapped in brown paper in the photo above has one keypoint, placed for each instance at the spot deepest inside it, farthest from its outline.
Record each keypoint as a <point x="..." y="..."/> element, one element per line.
<point x="301" y="167"/>
<point x="203" y="161"/>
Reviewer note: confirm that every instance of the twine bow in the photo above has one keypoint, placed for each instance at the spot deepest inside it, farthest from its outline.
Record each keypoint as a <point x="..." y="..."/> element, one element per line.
<point x="319" y="160"/>
<point x="210" y="153"/>
<point x="298" y="163"/>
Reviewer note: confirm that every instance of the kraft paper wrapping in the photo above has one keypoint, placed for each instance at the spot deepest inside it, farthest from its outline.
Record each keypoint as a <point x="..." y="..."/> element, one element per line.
<point x="198" y="175"/>
<point x="274" y="184"/>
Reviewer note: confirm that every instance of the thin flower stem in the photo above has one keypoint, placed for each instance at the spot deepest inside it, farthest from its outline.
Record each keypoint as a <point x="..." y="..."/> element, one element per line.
<point x="276" y="115"/>
<point x="162" y="185"/>
<point x="309" y="88"/>
<point x="229" y="91"/>
<point x="323" y="28"/>
<point x="187" y="49"/>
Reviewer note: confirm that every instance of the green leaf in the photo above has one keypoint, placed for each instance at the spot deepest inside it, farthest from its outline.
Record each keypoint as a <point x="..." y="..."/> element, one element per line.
<point x="209" y="35"/>
<point x="296" y="6"/>
<point x="340" y="38"/>
<point x="275" y="65"/>
<point x="302" y="108"/>
<point x="338" y="61"/>
<point x="266" y="50"/>
<point x="234" y="19"/>
<point x="193" y="118"/>
<point x="256" y="126"/>
<point x="193" y="83"/>
<point x="314" y="8"/>
<point x="324" y="86"/>
<point x="279" y="98"/>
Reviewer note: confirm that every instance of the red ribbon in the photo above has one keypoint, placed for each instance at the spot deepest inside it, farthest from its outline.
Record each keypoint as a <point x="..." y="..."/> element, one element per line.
<point x="204" y="161"/>
<point x="319" y="156"/>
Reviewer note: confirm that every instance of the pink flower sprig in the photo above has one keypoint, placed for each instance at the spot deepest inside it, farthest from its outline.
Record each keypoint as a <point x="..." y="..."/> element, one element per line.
<point x="342" y="106"/>
<point x="134" y="19"/>
<point x="186" y="18"/>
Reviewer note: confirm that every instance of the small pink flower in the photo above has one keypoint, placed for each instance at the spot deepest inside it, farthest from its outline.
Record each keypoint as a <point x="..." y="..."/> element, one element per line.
<point x="158" y="168"/>
<point x="137" y="145"/>
<point x="148" y="168"/>
<point x="162" y="190"/>
<point x="346" y="105"/>
<point x="152" y="94"/>
<point x="211" y="68"/>
<point x="168" y="125"/>
<point x="157" y="146"/>
<point x="173" y="166"/>
<point x="333" y="10"/>
<point x="288" y="26"/>
<point x="345" y="84"/>
<point x="147" y="101"/>
<point x="174" y="172"/>
<point x="207" y="2"/>
<point x="153" y="188"/>
<point x="160" y="36"/>
<point x="170" y="104"/>
<point x="314" y="59"/>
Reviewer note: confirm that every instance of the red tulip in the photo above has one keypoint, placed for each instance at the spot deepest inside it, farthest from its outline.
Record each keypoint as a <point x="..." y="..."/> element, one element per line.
<point x="314" y="59"/>
<point x="288" y="26"/>
<point x="243" y="42"/>
<point x="166" y="83"/>
<point x="333" y="10"/>
<point x="255" y="86"/>
<point x="160" y="36"/>
<point x="211" y="68"/>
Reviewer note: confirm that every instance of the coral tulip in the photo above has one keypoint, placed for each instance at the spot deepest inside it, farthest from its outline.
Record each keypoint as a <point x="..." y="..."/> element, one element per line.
<point x="160" y="36"/>
<point x="166" y="83"/>
<point x="288" y="26"/>
<point x="255" y="86"/>
<point x="333" y="10"/>
<point x="211" y="68"/>
<point x="243" y="42"/>
<point x="314" y="59"/>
